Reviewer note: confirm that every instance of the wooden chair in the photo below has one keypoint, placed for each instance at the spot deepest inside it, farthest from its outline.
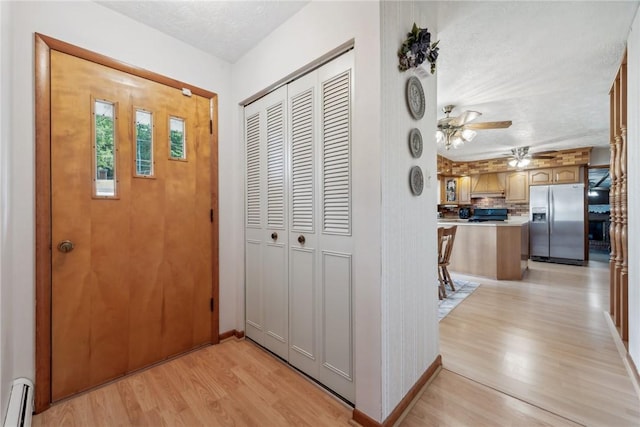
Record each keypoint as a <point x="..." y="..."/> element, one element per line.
<point x="446" y="237"/>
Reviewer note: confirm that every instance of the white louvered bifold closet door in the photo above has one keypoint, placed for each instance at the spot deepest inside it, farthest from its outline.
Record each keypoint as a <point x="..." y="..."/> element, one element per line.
<point x="317" y="222"/>
<point x="304" y="292"/>
<point x="266" y="258"/>
<point x="335" y="238"/>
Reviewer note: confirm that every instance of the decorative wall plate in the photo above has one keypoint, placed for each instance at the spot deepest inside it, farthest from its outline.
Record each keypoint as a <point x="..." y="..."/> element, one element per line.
<point x="415" y="143"/>
<point x="416" y="180"/>
<point x="415" y="97"/>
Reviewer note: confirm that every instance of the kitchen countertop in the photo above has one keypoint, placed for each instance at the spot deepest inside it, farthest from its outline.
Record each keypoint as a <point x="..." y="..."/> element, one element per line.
<point x="515" y="221"/>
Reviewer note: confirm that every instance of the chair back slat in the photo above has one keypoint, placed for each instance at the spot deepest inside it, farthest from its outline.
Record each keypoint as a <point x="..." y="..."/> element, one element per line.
<point x="446" y="237"/>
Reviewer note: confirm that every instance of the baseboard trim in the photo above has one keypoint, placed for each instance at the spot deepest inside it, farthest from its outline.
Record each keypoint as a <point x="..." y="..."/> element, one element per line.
<point x="366" y="421"/>
<point x="232" y="333"/>
<point x="627" y="361"/>
<point x="363" y="419"/>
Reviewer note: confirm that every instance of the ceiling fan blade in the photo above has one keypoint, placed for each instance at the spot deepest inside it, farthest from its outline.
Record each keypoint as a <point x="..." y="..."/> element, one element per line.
<point x="488" y="125"/>
<point x="465" y="117"/>
<point x="542" y="156"/>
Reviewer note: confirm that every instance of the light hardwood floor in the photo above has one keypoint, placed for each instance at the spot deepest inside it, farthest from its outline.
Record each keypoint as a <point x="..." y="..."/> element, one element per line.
<point x="531" y="353"/>
<point x="232" y="384"/>
<point x="545" y="341"/>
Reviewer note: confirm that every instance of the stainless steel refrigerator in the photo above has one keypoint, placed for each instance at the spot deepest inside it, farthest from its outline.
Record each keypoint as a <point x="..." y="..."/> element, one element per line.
<point x="556" y="228"/>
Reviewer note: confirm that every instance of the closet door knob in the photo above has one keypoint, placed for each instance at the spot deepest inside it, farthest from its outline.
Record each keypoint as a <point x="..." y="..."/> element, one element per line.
<point x="274" y="235"/>
<point x="301" y="239"/>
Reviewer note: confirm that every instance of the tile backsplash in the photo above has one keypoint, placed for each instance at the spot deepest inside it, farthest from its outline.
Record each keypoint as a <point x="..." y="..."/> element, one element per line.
<point x="515" y="209"/>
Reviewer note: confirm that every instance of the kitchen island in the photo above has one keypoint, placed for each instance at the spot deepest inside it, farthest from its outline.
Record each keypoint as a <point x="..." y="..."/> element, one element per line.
<point x="493" y="249"/>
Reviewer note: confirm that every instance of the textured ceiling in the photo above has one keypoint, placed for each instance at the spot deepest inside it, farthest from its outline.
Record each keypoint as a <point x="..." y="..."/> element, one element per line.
<point x="547" y="66"/>
<point x="226" y="29"/>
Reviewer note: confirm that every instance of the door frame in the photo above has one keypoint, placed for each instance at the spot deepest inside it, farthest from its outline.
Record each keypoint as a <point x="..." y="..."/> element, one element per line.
<point x="43" y="245"/>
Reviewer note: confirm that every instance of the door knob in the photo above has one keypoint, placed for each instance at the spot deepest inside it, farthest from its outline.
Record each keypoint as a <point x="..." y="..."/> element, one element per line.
<point x="301" y="239"/>
<point x="274" y="235"/>
<point x="65" y="246"/>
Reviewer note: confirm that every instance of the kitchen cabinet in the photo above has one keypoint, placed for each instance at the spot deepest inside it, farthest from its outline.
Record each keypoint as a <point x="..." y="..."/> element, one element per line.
<point x="517" y="187"/>
<point x="541" y="176"/>
<point x="464" y="190"/>
<point x="557" y="175"/>
<point x="455" y="190"/>
<point x="566" y="175"/>
<point x="449" y="190"/>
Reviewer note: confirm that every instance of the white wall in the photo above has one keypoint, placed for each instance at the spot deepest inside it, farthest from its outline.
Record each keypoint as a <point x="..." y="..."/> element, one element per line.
<point x="6" y="355"/>
<point x="315" y="30"/>
<point x="93" y="27"/>
<point x="600" y="156"/>
<point x="409" y="256"/>
<point x="633" y="186"/>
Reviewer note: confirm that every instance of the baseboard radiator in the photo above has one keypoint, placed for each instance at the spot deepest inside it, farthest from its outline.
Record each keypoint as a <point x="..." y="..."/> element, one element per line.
<point x="20" y="404"/>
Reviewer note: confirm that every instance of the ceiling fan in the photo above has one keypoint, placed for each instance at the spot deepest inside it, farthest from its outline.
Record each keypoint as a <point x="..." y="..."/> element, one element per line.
<point x="455" y="131"/>
<point x="521" y="157"/>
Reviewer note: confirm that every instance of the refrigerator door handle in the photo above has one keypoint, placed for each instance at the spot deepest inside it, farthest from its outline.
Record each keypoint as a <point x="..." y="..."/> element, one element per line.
<point x="550" y="198"/>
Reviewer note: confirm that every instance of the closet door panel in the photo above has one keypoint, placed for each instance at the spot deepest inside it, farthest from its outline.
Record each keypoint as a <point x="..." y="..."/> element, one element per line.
<point x="303" y="347"/>
<point x="335" y="238"/>
<point x="276" y="320"/>
<point x="266" y="269"/>
<point x="303" y="279"/>
<point x="254" y="187"/>
<point x="253" y="290"/>
<point x="336" y="320"/>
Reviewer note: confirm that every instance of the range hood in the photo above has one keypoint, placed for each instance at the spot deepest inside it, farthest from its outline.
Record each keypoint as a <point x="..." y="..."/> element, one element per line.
<point x="487" y="185"/>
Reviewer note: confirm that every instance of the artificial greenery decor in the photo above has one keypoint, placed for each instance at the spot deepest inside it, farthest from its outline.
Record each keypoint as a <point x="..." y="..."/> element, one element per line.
<point x="418" y="48"/>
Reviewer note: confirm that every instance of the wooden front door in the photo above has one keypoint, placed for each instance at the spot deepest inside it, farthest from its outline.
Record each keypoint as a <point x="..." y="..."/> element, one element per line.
<point x="131" y="195"/>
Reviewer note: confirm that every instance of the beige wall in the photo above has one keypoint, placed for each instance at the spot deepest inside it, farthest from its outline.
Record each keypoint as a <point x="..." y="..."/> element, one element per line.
<point x="6" y="335"/>
<point x="409" y="298"/>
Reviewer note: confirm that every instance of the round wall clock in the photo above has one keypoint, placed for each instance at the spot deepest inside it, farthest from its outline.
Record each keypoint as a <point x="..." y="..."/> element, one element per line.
<point x="415" y="142"/>
<point x="416" y="180"/>
<point x="415" y="97"/>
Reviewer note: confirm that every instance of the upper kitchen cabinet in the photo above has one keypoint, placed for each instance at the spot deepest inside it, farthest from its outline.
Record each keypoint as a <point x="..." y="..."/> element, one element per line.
<point x="558" y="175"/>
<point x="517" y="187"/>
<point x="566" y="174"/>
<point x="464" y="190"/>
<point x="455" y="190"/>
<point x="449" y="190"/>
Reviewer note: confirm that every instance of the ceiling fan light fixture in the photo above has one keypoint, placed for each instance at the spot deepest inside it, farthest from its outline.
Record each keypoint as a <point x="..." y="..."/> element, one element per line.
<point x="455" y="131"/>
<point x="520" y="163"/>
<point x="468" y="116"/>
<point x="468" y="134"/>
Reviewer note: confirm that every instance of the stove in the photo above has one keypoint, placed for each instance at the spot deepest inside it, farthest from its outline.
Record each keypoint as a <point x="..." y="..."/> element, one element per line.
<point x="482" y="215"/>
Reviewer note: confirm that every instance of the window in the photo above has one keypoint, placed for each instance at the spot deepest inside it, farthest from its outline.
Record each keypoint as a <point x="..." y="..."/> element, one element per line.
<point x="104" y="148"/>
<point x="144" y="143"/>
<point x="177" y="139"/>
